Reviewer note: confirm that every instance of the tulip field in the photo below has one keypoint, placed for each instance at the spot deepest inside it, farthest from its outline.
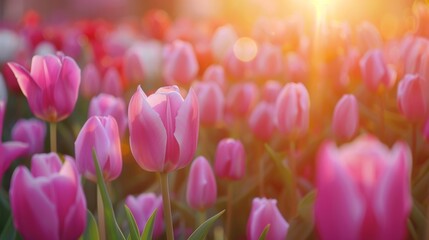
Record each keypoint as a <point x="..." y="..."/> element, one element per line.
<point x="181" y="120"/>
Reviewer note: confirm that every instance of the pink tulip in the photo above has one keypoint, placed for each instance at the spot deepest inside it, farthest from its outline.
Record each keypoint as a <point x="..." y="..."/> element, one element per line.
<point x="134" y="66"/>
<point x="222" y="41"/>
<point x="292" y="110"/>
<point x="112" y="83"/>
<point x="91" y="81"/>
<point x="363" y="190"/>
<point x="142" y="208"/>
<point x="105" y="105"/>
<point x="101" y="135"/>
<point x="268" y="62"/>
<point x="230" y="162"/>
<point x="201" y="190"/>
<point x="261" y="121"/>
<point x="180" y="63"/>
<point x="375" y="71"/>
<point x="51" y="87"/>
<point x="296" y="68"/>
<point x="265" y="212"/>
<point x="345" y="122"/>
<point x="215" y="73"/>
<point x="368" y="37"/>
<point x="32" y="132"/>
<point x="236" y="68"/>
<point x="149" y="63"/>
<point x="411" y="98"/>
<point x="9" y="151"/>
<point x="241" y="99"/>
<point x="211" y="102"/>
<point x="271" y="90"/>
<point x="163" y="128"/>
<point x="426" y="130"/>
<point x="48" y="202"/>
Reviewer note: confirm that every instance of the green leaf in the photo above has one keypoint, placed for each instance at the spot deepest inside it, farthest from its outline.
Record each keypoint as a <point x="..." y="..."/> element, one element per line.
<point x="305" y="206"/>
<point x="201" y="232"/>
<point x="134" y="230"/>
<point x="264" y="233"/>
<point x="91" y="231"/>
<point x="148" y="229"/>
<point x="301" y="227"/>
<point x="9" y="231"/>
<point x="112" y="228"/>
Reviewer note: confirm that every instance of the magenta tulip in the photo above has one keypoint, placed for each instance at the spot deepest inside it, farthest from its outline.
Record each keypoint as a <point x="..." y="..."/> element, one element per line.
<point x="375" y="71"/>
<point x="32" y="132"/>
<point x="292" y="111"/>
<point x="91" y="81"/>
<point x="201" y="190"/>
<point x="411" y="98"/>
<point x="101" y="135"/>
<point x="163" y="128"/>
<point x="48" y="202"/>
<point x="9" y="151"/>
<point x="261" y="121"/>
<point x="180" y="63"/>
<point x="112" y="83"/>
<point x="211" y="102"/>
<point x="51" y="87"/>
<point x="345" y="121"/>
<point x="265" y="212"/>
<point x="230" y="161"/>
<point x="142" y="208"/>
<point x="105" y="105"/>
<point x="363" y="190"/>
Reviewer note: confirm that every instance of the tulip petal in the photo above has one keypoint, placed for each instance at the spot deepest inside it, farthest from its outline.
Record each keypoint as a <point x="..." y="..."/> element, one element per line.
<point x="148" y="136"/>
<point x="25" y="80"/>
<point x="10" y="151"/>
<point x="187" y="125"/>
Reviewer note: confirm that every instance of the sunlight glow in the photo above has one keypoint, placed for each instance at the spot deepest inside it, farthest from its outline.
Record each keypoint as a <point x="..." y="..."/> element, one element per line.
<point x="245" y="49"/>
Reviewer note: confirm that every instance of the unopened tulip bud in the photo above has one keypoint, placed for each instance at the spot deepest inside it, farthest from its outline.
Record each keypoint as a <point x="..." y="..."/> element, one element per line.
<point x="411" y="98"/>
<point x="230" y="162"/>
<point x="112" y="83"/>
<point x="261" y="121"/>
<point x="215" y="73"/>
<point x="180" y="63"/>
<point x="241" y="98"/>
<point x="211" y="102"/>
<point x="32" y="132"/>
<point x="345" y="121"/>
<point x="375" y="71"/>
<point x="201" y="190"/>
<point x="105" y="105"/>
<point x="222" y="41"/>
<point x="91" y="81"/>
<point x="271" y="90"/>
<point x="268" y="63"/>
<point x="296" y="69"/>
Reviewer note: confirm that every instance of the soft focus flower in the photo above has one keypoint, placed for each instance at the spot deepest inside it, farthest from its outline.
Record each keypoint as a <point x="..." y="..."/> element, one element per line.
<point x="261" y="121"/>
<point x="101" y="135"/>
<point x="236" y="68"/>
<point x="112" y="83"/>
<point x="230" y="160"/>
<point x="292" y="111"/>
<point x="241" y="98"/>
<point x="163" y="128"/>
<point x="296" y="68"/>
<point x="11" y="43"/>
<point x="149" y="55"/>
<point x="48" y="202"/>
<point x="368" y="37"/>
<point x="271" y="90"/>
<point x="411" y="98"/>
<point x="201" y="190"/>
<point x="222" y="41"/>
<point x="32" y="132"/>
<point x="215" y="73"/>
<point x="426" y="130"/>
<point x="375" y="71"/>
<point x="51" y="87"/>
<point x="105" y="105"/>
<point x="3" y="89"/>
<point x="211" y="102"/>
<point x="268" y="62"/>
<point x="345" y="121"/>
<point x="91" y="81"/>
<point x="9" y="151"/>
<point x="180" y="63"/>
<point x="142" y="208"/>
<point x="363" y="190"/>
<point x="265" y="212"/>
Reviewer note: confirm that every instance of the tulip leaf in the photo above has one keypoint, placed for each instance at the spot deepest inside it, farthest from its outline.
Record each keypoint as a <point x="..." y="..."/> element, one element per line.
<point x="112" y="228"/>
<point x="148" y="229"/>
<point x="91" y="231"/>
<point x="264" y="233"/>
<point x="134" y="230"/>
<point x="9" y="231"/>
<point x="201" y="232"/>
<point x="301" y="227"/>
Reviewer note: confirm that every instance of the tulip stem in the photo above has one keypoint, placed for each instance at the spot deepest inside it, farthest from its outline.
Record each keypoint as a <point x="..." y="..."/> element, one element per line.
<point x="100" y="213"/>
<point x="53" y="136"/>
<point x="261" y="175"/>
<point x="292" y="165"/>
<point x="229" y="210"/>
<point x="166" y="205"/>
<point x="201" y="217"/>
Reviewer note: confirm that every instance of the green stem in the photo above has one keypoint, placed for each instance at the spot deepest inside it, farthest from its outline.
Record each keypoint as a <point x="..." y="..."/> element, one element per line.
<point x="100" y="212"/>
<point x="261" y="175"/>
<point x="53" y="136"/>
<point x="292" y="165"/>
<point x="166" y="205"/>
<point x="201" y="217"/>
<point x="229" y="211"/>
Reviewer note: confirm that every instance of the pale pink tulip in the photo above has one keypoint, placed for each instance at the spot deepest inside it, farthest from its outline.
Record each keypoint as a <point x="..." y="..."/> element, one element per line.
<point x="201" y="190"/>
<point x="180" y="63"/>
<point x="411" y="98"/>
<point x="211" y="102"/>
<point x="105" y="105"/>
<point x="345" y="121"/>
<point x="230" y="161"/>
<point x="261" y="121"/>
<point x="375" y="71"/>
<point x="32" y="132"/>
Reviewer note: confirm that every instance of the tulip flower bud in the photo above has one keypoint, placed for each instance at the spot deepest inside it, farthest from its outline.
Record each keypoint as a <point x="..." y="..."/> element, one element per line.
<point x="211" y="102"/>
<point x="234" y="66"/>
<point x="375" y="71"/>
<point x="271" y="90"/>
<point x="222" y="41"/>
<point x="363" y="190"/>
<point x="51" y="87"/>
<point x="215" y="73"/>
<point x="345" y="122"/>
<point x="142" y="208"/>
<point x="268" y="62"/>
<point x="265" y="212"/>
<point x="112" y="83"/>
<point x="32" y="132"/>
<point x="101" y="135"/>
<point x="48" y="202"/>
<point x="91" y="81"/>
<point x="411" y="98"/>
<point x="180" y="63"/>
<point x="368" y="37"/>
<point x="261" y="121"/>
<point x="241" y="99"/>
<point x="230" y="162"/>
<point x="163" y="128"/>
<point x="149" y="55"/>
<point x="296" y="69"/>
<point x="105" y="105"/>
<point x="201" y="190"/>
<point x="292" y="110"/>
